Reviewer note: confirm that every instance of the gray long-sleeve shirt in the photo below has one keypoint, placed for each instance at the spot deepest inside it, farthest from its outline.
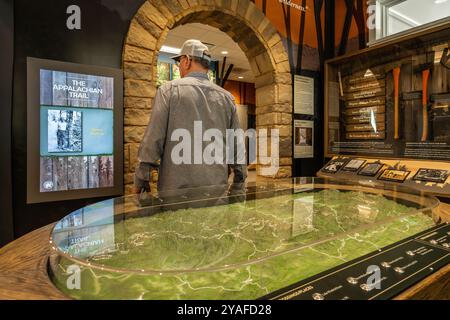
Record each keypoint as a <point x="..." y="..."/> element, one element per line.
<point x="183" y="111"/>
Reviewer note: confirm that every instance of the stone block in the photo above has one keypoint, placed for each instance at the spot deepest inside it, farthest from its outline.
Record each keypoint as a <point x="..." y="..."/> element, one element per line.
<point x="139" y="88"/>
<point x="134" y="133"/>
<point x="265" y="79"/>
<point x="128" y="179"/>
<point x="136" y="117"/>
<point x="138" y="55"/>
<point x="284" y="93"/>
<point x="267" y="95"/>
<point x="138" y="71"/>
<point x="279" y="52"/>
<point x="134" y="149"/>
<point x="138" y="36"/>
<point x="264" y="63"/>
<point x="138" y="103"/>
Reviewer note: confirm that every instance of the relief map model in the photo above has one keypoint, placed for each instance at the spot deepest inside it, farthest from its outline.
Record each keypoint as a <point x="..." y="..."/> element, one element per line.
<point x="242" y="250"/>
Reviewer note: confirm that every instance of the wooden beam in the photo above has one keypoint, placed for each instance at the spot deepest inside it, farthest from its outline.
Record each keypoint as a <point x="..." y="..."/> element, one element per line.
<point x="360" y="22"/>
<point x="224" y="63"/>
<point x="330" y="29"/>
<point x="301" y="39"/>
<point x="317" y="10"/>
<point x="224" y="80"/>
<point x="347" y="25"/>
<point x="287" y="22"/>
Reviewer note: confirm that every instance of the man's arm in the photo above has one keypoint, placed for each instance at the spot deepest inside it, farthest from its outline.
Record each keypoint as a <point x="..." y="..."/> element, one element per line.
<point x="239" y="164"/>
<point x="152" y="145"/>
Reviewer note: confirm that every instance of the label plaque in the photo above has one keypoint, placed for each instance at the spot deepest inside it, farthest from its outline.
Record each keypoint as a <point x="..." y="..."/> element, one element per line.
<point x="365" y="111"/>
<point x="394" y="175"/>
<point x="432" y="175"/>
<point x="366" y="102"/>
<point x="370" y="169"/>
<point x="366" y="135"/>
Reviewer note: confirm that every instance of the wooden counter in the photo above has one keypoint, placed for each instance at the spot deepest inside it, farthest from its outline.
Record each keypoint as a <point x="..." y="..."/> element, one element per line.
<point x="23" y="268"/>
<point x="23" y="271"/>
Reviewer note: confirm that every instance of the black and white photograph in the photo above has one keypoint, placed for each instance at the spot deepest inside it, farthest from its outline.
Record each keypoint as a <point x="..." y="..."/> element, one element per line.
<point x="303" y="139"/>
<point x="370" y="169"/>
<point x="65" y="132"/>
<point x="398" y="176"/>
<point x="432" y="175"/>
<point x="354" y="165"/>
<point x="335" y="165"/>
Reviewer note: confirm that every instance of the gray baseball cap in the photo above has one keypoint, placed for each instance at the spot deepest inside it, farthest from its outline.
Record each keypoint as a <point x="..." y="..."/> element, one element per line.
<point x="194" y="48"/>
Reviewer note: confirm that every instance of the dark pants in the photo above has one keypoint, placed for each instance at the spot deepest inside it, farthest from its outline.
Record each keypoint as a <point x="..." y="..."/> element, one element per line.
<point x="61" y="134"/>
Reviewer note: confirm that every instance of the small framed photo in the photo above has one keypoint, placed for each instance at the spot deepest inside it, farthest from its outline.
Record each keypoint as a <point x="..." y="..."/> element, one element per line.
<point x="432" y="175"/>
<point x="370" y="169"/>
<point x="353" y="165"/>
<point x="394" y="175"/>
<point x="335" y="165"/>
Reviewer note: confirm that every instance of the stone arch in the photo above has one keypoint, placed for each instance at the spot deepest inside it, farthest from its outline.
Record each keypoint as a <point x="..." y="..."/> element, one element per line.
<point x="246" y="25"/>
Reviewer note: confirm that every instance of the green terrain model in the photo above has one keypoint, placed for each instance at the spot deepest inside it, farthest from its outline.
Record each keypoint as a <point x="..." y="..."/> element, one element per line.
<point x="241" y="250"/>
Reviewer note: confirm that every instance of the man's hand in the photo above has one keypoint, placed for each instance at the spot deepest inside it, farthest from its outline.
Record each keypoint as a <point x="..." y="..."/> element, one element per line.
<point x="137" y="190"/>
<point x="140" y="186"/>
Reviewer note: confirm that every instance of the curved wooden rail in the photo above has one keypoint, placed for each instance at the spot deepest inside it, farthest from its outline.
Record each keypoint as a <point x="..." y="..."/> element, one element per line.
<point x="23" y="271"/>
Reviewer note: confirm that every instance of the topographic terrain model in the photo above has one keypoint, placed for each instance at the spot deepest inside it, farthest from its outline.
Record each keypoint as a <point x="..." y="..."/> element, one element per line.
<point x="242" y="250"/>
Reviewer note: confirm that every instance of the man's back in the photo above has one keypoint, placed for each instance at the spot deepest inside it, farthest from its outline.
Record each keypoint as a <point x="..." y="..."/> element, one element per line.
<point x="184" y="110"/>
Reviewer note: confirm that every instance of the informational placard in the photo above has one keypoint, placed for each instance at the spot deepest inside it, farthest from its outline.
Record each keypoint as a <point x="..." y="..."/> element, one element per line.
<point x="303" y="95"/>
<point x="303" y="139"/>
<point x="75" y="125"/>
<point x="394" y="175"/>
<point x="432" y="175"/>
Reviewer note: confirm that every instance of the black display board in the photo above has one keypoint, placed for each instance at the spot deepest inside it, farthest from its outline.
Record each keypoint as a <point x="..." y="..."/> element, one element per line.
<point x="6" y="70"/>
<point x="308" y="167"/>
<point x="74" y="131"/>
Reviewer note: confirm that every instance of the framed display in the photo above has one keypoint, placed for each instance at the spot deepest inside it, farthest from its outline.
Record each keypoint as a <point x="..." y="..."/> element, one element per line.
<point x="74" y="131"/>
<point x="371" y="169"/>
<point x="432" y="175"/>
<point x="303" y="95"/>
<point x="303" y="139"/>
<point x="394" y="175"/>
<point x="353" y="165"/>
<point x="335" y="165"/>
<point x="391" y="101"/>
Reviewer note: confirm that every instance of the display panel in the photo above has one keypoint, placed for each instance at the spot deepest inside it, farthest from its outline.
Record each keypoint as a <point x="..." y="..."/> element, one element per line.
<point x="370" y="169"/>
<point x="303" y="139"/>
<point x="74" y="130"/>
<point x="394" y="175"/>
<point x="391" y="101"/>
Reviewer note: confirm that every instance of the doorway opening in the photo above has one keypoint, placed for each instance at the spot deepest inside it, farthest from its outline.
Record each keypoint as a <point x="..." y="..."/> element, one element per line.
<point x="248" y="28"/>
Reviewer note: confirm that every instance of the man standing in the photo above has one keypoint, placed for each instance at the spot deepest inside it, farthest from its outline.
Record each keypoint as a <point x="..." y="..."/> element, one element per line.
<point x="61" y="133"/>
<point x="187" y="104"/>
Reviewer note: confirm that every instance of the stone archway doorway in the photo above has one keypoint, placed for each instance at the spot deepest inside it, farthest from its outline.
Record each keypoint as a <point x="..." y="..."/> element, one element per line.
<point x="247" y="26"/>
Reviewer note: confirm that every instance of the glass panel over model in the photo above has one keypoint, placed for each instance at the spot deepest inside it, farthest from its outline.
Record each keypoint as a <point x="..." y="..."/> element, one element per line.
<point x="229" y="241"/>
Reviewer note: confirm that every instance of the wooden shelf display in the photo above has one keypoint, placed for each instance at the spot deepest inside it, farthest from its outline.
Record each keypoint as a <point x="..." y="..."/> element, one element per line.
<point x="392" y="100"/>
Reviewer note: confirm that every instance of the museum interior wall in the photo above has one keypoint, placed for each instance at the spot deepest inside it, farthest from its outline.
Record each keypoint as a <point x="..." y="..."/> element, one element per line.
<point x="280" y="41"/>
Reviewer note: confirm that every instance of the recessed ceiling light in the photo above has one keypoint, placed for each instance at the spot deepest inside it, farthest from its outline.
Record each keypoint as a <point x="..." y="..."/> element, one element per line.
<point x="439" y="1"/>
<point x="224" y="52"/>
<point x="168" y="49"/>
<point x="240" y="77"/>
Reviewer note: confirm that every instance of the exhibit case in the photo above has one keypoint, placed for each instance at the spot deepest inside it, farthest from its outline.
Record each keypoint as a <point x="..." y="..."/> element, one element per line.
<point x="392" y="100"/>
<point x="387" y="114"/>
<point x="300" y="238"/>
